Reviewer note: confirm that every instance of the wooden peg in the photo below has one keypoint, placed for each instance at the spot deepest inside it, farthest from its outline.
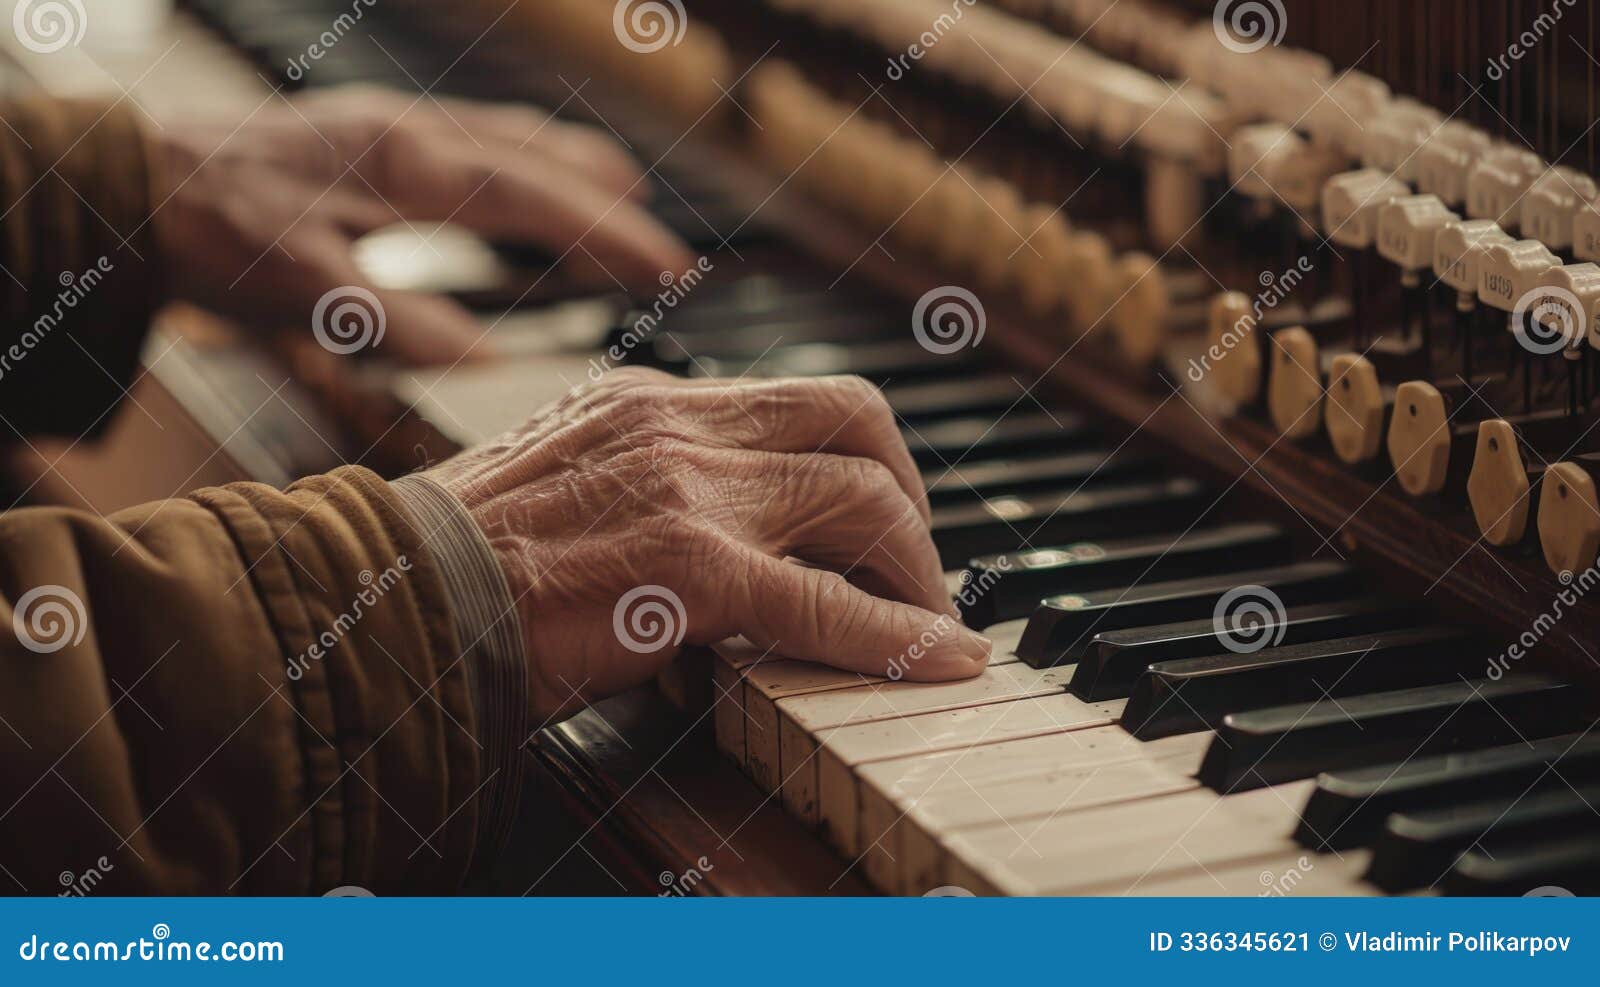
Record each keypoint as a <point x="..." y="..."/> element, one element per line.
<point x="1090" y="277"/>
<point x="1356" y="408"/>
<point x="1233" y="350"/>
<point x="1569" y="518"/>
<point x="1043" y="259"/>
<point x="1294" y="396"/>
<point x="1419" y="438"/>
<point x="1498" y="485"/>
<point x="1142" y="309"/>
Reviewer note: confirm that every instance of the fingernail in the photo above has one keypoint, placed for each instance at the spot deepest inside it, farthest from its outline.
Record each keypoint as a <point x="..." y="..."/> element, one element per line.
<point x="975" y="646"/>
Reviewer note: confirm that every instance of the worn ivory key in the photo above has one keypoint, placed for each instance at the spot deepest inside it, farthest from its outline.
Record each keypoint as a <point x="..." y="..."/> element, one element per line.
<point x="1114" y="849"/>
<point x="902" y="823"/>
<point x="1286" y="875"/>
<point x="799" y="716"/>
<point x="764" y="685"/>
<point x="845" y="749"/>
<point x="804" y="720"/>
<point x="750" y="681"/>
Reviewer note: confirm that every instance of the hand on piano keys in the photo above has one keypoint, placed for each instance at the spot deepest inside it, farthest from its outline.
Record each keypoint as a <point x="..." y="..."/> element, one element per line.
<point x="786" y="511"/>
<point x="258" y="220"/>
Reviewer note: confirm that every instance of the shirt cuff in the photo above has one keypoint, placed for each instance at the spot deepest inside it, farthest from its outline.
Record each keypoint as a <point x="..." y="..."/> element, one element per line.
<point x="491" y="640"/>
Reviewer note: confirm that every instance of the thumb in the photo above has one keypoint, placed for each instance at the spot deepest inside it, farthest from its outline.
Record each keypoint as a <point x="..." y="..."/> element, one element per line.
<point x="815" y="614"/>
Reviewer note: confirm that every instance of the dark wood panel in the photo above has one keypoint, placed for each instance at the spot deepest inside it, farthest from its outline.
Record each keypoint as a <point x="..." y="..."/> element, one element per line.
<point x="657" y="801"/>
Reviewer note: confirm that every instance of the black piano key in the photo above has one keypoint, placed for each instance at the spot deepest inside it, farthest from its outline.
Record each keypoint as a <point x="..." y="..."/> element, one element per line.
<point x="1545" y="869"/>
<point x="1052" y="517"/>
<point x="1061" y="628"/>
<point x="1347" y="808"/>
<point x="968" y="482"/>
<point x="1114" y="660"/>
<point x="1283" y="743"/>
<point x="1017" y="581"/>
<point x="991" y="394"/>
<point x="1191" y="694"/>
<point x="957" y="440"/>
<point x="1417" y="849"/>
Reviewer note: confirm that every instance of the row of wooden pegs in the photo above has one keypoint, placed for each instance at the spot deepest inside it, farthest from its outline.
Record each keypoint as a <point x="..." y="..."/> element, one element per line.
<point x="963" y="220"/>
<point x="1411" y="430"/>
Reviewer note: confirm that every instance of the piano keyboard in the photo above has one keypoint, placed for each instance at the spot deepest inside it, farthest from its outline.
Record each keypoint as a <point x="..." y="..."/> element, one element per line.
<point x="1116" y="745"/>
<point x="1131" y="736"/>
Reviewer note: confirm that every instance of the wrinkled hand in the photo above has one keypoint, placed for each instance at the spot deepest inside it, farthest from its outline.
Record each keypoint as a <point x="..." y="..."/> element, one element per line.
<point x="787" y="511"/>
<point x="255" y="221"/>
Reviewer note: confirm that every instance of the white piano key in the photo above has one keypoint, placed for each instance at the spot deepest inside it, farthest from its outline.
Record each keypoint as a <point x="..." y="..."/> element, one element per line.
<point x="917" y="854"/>
<point x="843" y="750"/>
<point x="1289" y="875"/>
<point x="764" y="685"/>
<point x="1114" y="849"/>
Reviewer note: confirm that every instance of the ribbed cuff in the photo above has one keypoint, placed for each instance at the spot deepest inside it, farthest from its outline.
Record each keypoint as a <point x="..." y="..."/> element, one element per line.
<point x="491" y="637"/>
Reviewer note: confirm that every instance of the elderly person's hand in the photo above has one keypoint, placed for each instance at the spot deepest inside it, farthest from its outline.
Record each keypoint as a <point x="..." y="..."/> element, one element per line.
<point x="256" y="219"/>
<point x="787" y="511"/>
